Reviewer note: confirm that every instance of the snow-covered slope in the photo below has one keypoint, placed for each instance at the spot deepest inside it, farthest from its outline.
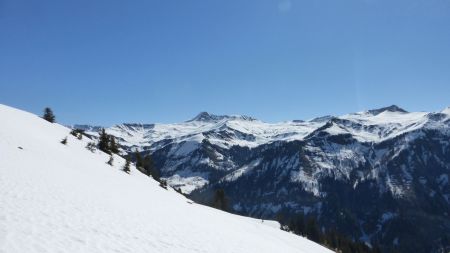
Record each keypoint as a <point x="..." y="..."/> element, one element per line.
<point x="64" y="198"/>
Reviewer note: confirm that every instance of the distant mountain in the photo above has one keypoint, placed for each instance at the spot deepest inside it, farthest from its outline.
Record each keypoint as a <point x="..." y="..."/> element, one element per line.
<point x="392" y="108"/>
<point x="58" y="197"/>
<point x="205" y="117"/>
<point x="87" y="128"/>
<point x="379" y="176"/>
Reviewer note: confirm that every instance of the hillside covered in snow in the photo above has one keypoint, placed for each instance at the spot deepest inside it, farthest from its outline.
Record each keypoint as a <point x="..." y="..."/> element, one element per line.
<point x="65" y="198"/>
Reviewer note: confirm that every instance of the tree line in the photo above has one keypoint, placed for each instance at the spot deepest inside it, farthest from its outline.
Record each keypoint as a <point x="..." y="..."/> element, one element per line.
<point x="308" y="227"/>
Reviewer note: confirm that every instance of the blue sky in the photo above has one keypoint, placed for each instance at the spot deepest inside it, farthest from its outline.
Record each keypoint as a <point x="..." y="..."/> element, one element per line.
<point x="106" y="62"/>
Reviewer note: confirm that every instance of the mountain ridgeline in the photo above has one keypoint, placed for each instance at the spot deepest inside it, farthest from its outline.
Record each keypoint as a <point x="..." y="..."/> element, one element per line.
<point x="379" y="177"/>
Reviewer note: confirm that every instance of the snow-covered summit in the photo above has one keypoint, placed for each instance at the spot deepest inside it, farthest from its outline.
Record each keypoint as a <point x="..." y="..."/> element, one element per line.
<point x="392" y="108"/>
<point x="207" y="117"/>
<point x="322" y="119"/>
<point x="64" y="198"/>
<point x="86" y="127"/>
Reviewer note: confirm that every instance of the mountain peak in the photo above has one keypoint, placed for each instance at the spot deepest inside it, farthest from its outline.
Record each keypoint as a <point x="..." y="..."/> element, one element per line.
<point x="392" y="108"/>
<point x="322" y="119"/>
<point x="86" y="127"/>
<point x="206" y="117"/>
<point x="203" y="116"/>
<point x="136" y="125"/>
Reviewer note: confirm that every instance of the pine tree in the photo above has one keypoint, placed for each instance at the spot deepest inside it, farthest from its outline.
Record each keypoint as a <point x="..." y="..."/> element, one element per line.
<point x="64" y="141"/>
<point x="163" y="184"/>
<point x="126" y="167"/>
<point x="297" y="224"/>
<point x="77" y="133"/>
<point x="312" y="230"/>
<point x="112" y="145"/>
<point x="103" y="142"/>
<point x="138" y="157"/>
<point x="91" y="147"/>
<point x="220" y="200"/>
<point x="111" y="160"/>
<point x="48" y="115"/>
<point x="149" y="167"/>
<point x="139" y="162"/>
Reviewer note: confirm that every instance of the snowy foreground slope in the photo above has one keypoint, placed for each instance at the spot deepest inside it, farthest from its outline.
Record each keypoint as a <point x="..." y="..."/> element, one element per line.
<point x="63" y="198"/>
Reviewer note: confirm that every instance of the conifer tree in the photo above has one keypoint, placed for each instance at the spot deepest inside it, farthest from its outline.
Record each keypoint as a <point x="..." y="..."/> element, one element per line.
<point x="220" y="200"/>
<point x="312" y="230"/>
<point x="297" y="224"/>
<point x="139" y="160"/>
<point x="163" y="184"/>
<point x="64" y="141"/>
<point x="112" y="145"/>
<point x="48" y="115"/>
<point x="126" y="167"/>
<point x="91" y="147"/>
<point x="149" y="167"/>
<point x="77" y="133"/>
<point x="331" y="238"/>
<point x="103" y="142"/>
<point x="111" y="160"/>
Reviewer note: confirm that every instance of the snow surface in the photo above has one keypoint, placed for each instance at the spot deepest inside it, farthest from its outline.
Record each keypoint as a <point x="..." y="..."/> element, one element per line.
<point x="186" y="183"/>
<point x="64" y="198"/>
<point x="241" y="171"/>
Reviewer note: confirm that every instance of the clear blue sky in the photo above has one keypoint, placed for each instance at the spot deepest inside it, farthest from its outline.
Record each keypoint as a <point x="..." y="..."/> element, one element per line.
<point x="106" y="62"/>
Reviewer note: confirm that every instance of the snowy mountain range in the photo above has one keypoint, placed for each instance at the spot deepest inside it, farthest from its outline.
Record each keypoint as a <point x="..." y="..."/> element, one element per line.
<point x="368" y="174"/>
<point x="60" y="197"/>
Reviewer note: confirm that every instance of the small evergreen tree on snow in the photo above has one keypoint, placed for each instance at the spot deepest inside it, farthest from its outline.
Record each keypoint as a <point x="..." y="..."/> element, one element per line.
<point x="126" y="167"/>
<point x="146" y="165"/>
<point x="149" y="167"/>
<point x="103" y="142"/>
<point x="64" y="141"/>
<point x="111" y="160"/>
<point x="77" y="133"/>
<point x="312" y="230"/>
<point x="48" y="115"/>
<point x="140" y="162"/>
<point x="112" y="145"/>
<point x="220" y="200"/>
<point x="308" y="226"/>
<point x="91" y="147"/>
<point x="297" y="224"/>
<point x="163" y="184"/>
<point x="138" y="157"/>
